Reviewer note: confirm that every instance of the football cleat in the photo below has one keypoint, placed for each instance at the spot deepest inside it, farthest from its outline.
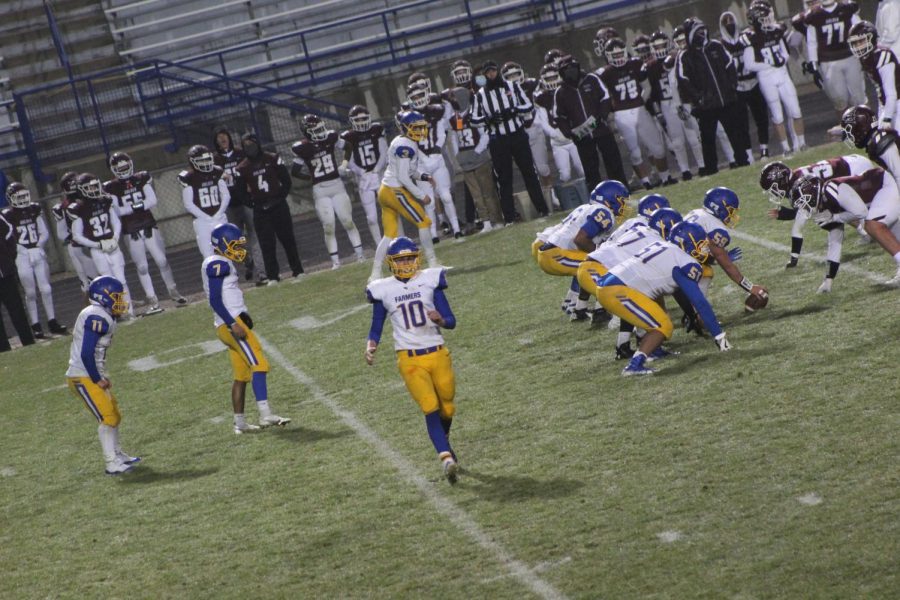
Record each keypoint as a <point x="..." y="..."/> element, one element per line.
<point x="451" y="469"/>
<point x="687" y="175"/>
<point x="55" y="328"/>
<point x="579" y="314"/>
<point x="38" y="332"/>
<point x="792" y="262"/>
<point x="153" y="307"/>
<point x="270" y="420"/>
<point x="624" y="351"/>
<point x="246" y="428"/>
<point x="128" y="460"/>
<point x="117" y="467"/>
<point x="600" y="316"/>
<point x="177" y="298"/>
<point x="825" y="288"/>
<point x="670" y="181"/>
<point x="895" y="280"/>
<point x="636" y="367"/>
<point x="661" y="353"/>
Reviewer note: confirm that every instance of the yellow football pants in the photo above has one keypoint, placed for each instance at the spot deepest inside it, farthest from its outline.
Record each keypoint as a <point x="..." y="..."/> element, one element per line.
<point x="634" y="307"/>
<point x="396" y="203"/>
<point x="100" y="402"/>
<point x="589" y="272"/>
<point x="534" y="250"/>
<point x="559" y="261"/>
<point x="246" y="355"/>
<point x="430" y="380"/>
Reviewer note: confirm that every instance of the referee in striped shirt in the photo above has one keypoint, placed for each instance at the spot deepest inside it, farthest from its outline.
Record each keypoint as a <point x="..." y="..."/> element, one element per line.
<point x="503" y="108"/>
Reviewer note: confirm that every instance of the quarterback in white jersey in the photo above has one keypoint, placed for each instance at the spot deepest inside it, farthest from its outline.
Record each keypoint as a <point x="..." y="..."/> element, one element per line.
<point x="234" y="327"/>
<point x="87" y="376"/>
<point x="400" y="195"/>
<point x="718" y="215"/>
<point x="415" y="302"/>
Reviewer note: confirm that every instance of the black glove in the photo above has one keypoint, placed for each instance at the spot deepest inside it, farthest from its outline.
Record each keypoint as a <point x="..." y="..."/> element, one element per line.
<point x="148" y="231"/>
<point x="245" y="317"/>
<point x="135" y="235"/>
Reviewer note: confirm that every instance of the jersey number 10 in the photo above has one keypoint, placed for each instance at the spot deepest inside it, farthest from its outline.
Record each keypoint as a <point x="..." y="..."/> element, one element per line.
<point x="413" y="314"/>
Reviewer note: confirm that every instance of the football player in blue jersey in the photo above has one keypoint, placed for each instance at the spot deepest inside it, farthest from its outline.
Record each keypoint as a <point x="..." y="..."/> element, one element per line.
<point x="87" y="375"/>
<point x="632" y="289"/>
<point x="415" y="302"/>
<point x="234" y="327"/>
<point x="718" y="215"/>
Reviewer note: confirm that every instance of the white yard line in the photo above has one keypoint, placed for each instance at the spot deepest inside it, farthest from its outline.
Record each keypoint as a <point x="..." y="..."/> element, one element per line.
<point x="845" y="267"/>
<point x="463" y="521"/>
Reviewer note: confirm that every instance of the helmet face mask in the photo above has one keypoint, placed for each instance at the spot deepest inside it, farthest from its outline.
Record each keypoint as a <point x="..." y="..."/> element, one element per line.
<point x="616" y="53"/>
<point x="360" y="119"/>
<point x="861" y="44"/>
<point x="550" y="79"/>
<point x="201" y="158"/>
<point x="659" y="45"/>
<point x="461" y="73"/>
<point x="314" y="128"/>
<point x="641" y="47"/>
<point x="417" y="95"/>
<point x="89" y="186"/>
<point x="121" y="165"/>
<point x="857" y="123"/>
<point x="691" y="238"/>
<point x="679" y="38"/>
<point x="228" y="241"/>
<point x="614" y="195"/>
<point x="419" y="80"/>
<point x="513" y="72"/>
<point x="775" y="181"/>
<point x="723" y="204"/>
<point x="18" y="195"/>
<point x="108" y="292"/>
<point x="403" y="258"/>
<point x="806" y="193"/>
<point x="413" y="125"/>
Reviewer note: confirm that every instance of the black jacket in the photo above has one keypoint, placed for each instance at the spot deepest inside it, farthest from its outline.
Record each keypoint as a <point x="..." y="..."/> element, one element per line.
<point x="707" y="76"/>
<point x="573" y="105"/>
<point x="7" y="249"/>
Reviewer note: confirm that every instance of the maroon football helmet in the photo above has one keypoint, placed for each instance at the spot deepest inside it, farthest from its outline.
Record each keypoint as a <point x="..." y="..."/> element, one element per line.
<point x="679" y="37"/>
<point x="552" y="56"/>
<point x="417" y="95"/>
<point x="201" y="158"/>
<point x="857" y="123"/>
<point x="806" y="192"/>
<point x="863" y="38"/>
<point x="89" y="185"/>
<point x="659" y="44"/>
<point x="616" y="52"/>
<point x="603" y="35"/>
<point x="775" y="180"/>
<point x="360" y="118"/>
<point x="461" y="72"/>
<point x="550" y="79"/>
<point x="512" y="72"/>
<point x="641" y="47"/>
<point x="18" y="195"/>
<point x="67" y="182"/>
<point x="314" y="127"/>
<point x="121" y="165"/>
<point x="417" y="77"/>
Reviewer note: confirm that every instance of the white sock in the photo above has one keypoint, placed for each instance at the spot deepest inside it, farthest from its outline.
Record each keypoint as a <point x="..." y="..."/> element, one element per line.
<point x="263" y="407"/>
<point x="359" y="251"/>
<point x="801" y="141"/>
<point x="897" y="258"/>
<point x="239" y="420"/>
<point x="763" y="148"/>
<point x="645" y="180"/>
<point x="427" y="248"/>
<point x="664" y="175"/>
<point x="486" y="225"/>
<point x="623" y="338"/>
<point x="335" y="259"/>
<point x="107" y="437"/>
<point x="785" y="146"/>
<point x="580" y="304"/>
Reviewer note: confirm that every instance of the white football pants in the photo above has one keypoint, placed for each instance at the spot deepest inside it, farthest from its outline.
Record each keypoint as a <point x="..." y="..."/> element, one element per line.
<point x="368" y="185"/>
<point x="138" y="247"/>
<point x="331" y="199"/>
<point x="34" y="273"/>
<point x="636" y="127"/>
<point x="113" y="263"/>
<point x="203" y="231"/>
<point x="777" y="88"/>
<point x="844" y="82"/>
<point x="434" y="165"/>
<point x="83" y="264"/>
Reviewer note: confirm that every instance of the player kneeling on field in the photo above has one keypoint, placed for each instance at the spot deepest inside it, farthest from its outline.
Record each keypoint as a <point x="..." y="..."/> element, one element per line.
<point x="234" y="327"/>
<point x="87" y="376"/>
<point x="415" y="302"/>
<point x="631" y="290"/>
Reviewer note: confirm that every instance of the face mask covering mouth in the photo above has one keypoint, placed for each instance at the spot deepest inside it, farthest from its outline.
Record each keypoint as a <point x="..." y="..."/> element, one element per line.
<point x="569" y="74"/>
<point x="480" y="80"/>
<point x="251" y="149"/>
<point x="731" y="28"/>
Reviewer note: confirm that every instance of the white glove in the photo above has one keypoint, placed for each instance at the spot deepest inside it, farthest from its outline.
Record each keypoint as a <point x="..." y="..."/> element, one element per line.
<point x="825" y="287"/>
<point x="885" y="124"/>
<point x="722" y="343"/>
<point x="109" y="246"/>
<point x="342" y="169"/>
<point x="822" y="217"/>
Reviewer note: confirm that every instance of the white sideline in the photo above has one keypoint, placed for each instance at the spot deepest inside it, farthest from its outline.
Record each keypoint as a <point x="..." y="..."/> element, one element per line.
<point x="850" y="268"/>
<point x="445" y="506"/>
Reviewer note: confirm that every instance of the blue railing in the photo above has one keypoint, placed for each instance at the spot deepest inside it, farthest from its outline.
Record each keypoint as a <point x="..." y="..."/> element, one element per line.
<point x="157" y="99"/>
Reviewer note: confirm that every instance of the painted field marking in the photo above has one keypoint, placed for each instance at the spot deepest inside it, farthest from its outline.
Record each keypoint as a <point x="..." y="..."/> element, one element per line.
<point x="444" y="505"/>
<point x="810" y="499"/>
<point x="544" y="565"/>
<point x="55" y="388"/>
<point x="670" y="536"/>
<point x="149" y="363"/>
<point x="850" y="268"/>
<point x="310" y="322"/>
<point x="7" y="472"/>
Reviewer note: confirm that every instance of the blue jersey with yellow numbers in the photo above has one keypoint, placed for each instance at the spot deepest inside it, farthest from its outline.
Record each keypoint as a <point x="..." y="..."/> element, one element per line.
<point x="716" y="230"/>
<point x="651" y="271"/>
<point x="91" y="337"/>
<point x="596" y="220"/>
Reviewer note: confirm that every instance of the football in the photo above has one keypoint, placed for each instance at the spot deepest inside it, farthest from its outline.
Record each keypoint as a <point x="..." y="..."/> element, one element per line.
<point x="754" y="302"/>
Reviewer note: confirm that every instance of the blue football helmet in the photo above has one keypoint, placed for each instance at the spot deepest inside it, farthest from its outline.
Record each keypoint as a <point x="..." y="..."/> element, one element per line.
<point x="402" y="248"/>
<point x="651" y="202"/>
<point x="664" y="219"/>
<point x="691" y="238"/>
<point x="613" y="194"/>
<point x="723" y="203"/>
<point x="412" y="125"/>
<point x="108" y="292"/>
<point x="228" y="241"/>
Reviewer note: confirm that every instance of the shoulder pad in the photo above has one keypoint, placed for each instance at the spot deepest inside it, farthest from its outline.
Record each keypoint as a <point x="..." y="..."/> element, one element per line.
<point x="332" y="136"/>
<point x="377" y="129"/>
<point x="217" y="268"/>
<point x="144" y="177"/>
<point x="882" y="140"/>
<point x="852" y="6"/>
<point x="346" y="135"/>
<point x="298" y="146"/>
<point x="404" y="151"/>
<point x="96" y="324"/>
<point x="57" y="210"/>
<point x="184" y="178"/>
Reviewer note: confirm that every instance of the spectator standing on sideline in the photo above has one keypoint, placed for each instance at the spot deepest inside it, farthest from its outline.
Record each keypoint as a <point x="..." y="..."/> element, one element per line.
<point x="9" y="288"/>
<point x="240" y="209"/>
<point x="580" y="107"/>
<point x="268" y="182"/>
<point x="502" y="107"/>
<point x="887" y="22"/>
<point x="707" y="82"/>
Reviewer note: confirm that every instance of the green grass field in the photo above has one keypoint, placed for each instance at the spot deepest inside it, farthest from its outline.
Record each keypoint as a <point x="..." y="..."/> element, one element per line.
<point x="770" y="471"/>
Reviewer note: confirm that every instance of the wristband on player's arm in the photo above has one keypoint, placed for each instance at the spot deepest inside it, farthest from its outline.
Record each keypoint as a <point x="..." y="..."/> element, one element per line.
<point x="746" y="284"/>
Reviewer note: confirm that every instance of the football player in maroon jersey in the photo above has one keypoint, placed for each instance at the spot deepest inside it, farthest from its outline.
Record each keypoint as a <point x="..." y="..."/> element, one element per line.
<point x="31" y="235"/>
<point x="565" y="153"/>
<point x="133" y="199"/>
<point x="623" y="77"/>
<point x="365" y="152"/>
<point x="317" y="162"/>
<point x="881" y="67"/>
<point x="204" y="194"/>
<point x="827" y="30"/>
<point x="96" y="225"/>
<point x="78" y="255"/>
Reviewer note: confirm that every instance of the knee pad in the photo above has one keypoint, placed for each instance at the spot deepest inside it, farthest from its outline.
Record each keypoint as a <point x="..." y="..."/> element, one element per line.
<point x="142" y="268"/>
<point x="113" y="419"/>
<point x="328" y="229"/>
